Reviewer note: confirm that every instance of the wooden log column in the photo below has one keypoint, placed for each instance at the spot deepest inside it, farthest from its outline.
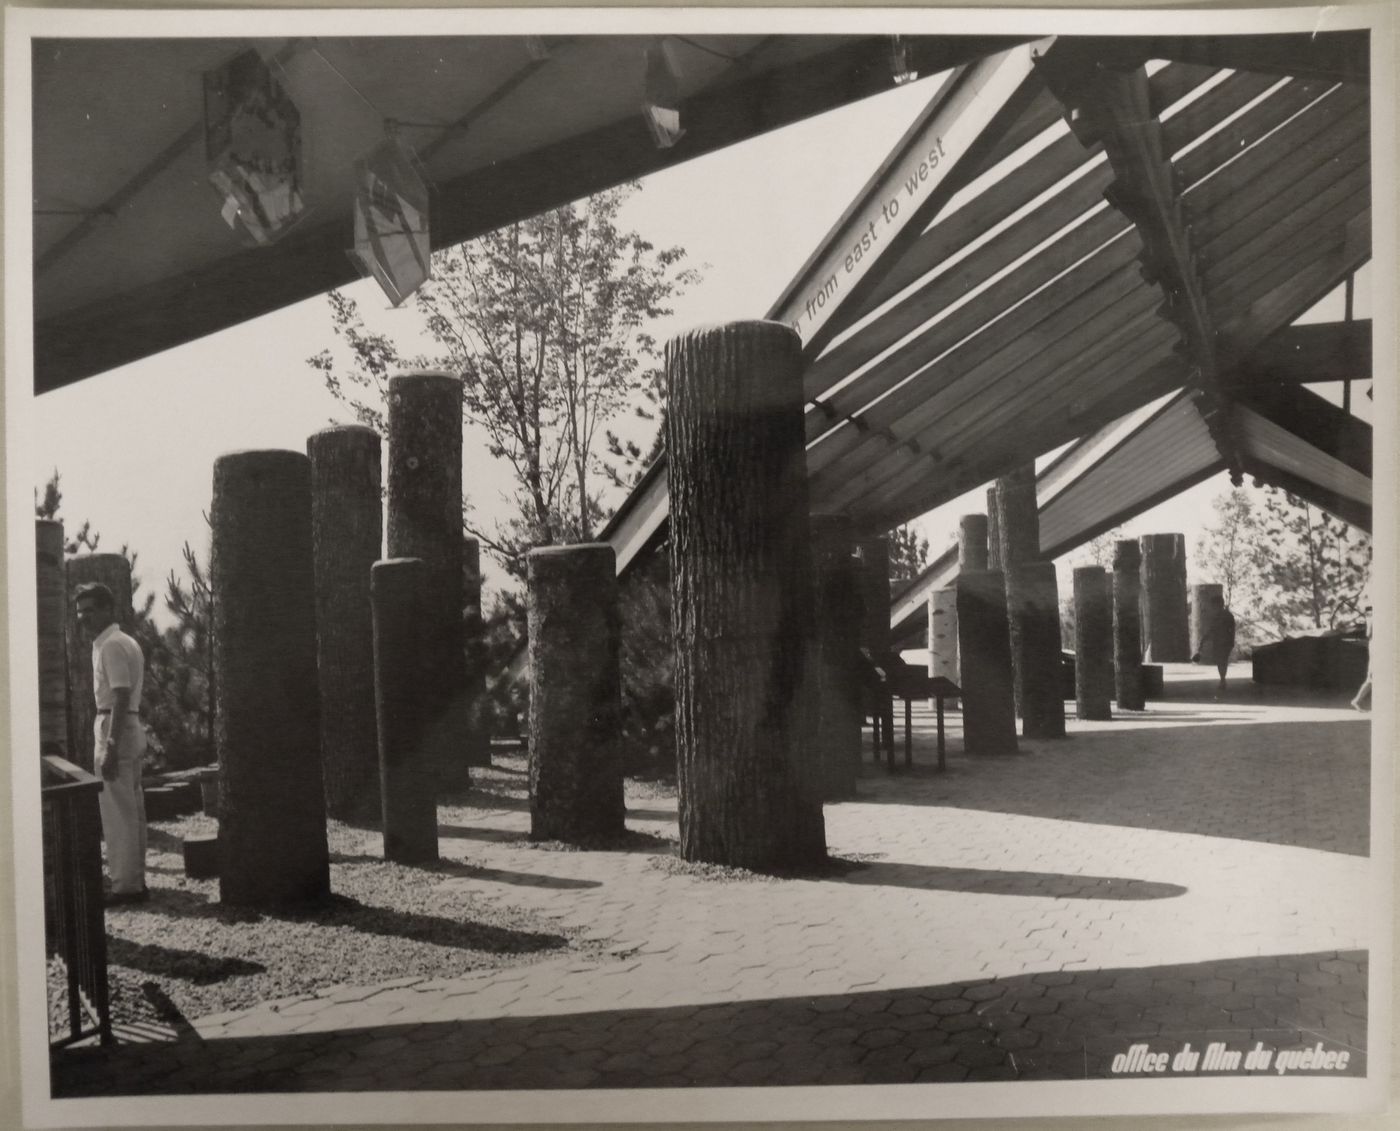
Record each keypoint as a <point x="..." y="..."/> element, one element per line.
<point x="984" y="649"/>
<point x="994" y="559"/>
<point x="113" y="571"/>
<point x="347" y="533"/>
<point x="1205" y="599"/>
<point x="1017" y="526"/>
<point x="407" y="786"/>
<point x="742" y="597"/>
<point x="833" y="670"/>
<point x="972" y="543"/>
<point x="1033" y="607"/>
<point x="425" y="521"/>
<point x="1127" y="625"/>
<point x="272" y="808"/>
<point x="474" y="633"/>
<point x="943" y="636"/>
<point x="52" y="624"/>
<point x="575" y="694"/>
<point x="1166" y="637"/>
<point x="874" y="576"/>
<point x="1093" y="643"/>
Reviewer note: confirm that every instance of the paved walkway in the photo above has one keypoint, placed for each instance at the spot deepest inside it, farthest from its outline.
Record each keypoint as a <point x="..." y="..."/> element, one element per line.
<point x="1194" y="873"/>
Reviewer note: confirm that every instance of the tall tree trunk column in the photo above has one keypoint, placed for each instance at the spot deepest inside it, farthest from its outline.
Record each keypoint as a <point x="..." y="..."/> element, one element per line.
<point x="984" y="648"/>
<point x="994" y="539"/>
<point x="575" y="694"/>
<point x="1093" y="643"/>
<point x="1203" y="603"/>
<point x="425" y="521"/>
<point x="474" y="632"/>
<point x="272" y="808"/>
<point x="1033" y="607"/>
<point x="1017" y="526"/>
<point x="52" y="623"/>
<point x="943" y="635"/>
<point x="113" y="571"/>
<point x="1165" y="634"/>
<point x="834" y="673"/>
<point x="347" y="532"/>
<point x="972" y="543"/>
<point x="742" y="597"/>
<point x="874" y="575"/>
<point x="406" y="777"/>
<point x="1127" y="625"/>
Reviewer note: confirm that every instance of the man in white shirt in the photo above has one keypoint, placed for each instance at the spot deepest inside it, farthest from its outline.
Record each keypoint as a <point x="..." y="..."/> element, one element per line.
<point x="119" y="741"/>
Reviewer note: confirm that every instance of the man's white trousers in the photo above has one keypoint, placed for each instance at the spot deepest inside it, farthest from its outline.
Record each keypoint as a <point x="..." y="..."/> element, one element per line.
<point x="122" y="804"/>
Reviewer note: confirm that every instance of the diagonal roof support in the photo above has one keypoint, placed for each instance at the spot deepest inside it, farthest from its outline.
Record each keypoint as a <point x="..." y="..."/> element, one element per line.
<point x="1112" y="106"/>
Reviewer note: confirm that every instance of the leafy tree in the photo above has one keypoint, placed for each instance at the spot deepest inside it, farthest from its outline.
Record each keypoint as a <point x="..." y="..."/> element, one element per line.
<point x="1316" y="568"/>
<point x="545" y="321"/>
<point x="908" y="553"/>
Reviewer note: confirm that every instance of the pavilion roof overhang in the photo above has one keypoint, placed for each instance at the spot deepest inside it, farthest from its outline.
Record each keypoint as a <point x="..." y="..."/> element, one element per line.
<point x="503" y="134"/>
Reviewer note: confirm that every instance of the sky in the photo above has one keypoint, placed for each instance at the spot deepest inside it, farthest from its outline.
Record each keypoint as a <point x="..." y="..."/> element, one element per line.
<point x="135" y="447"/>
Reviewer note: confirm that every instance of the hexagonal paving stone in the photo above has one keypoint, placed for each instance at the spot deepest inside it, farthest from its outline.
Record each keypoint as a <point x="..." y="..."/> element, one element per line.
<point x="950" y="1005"/>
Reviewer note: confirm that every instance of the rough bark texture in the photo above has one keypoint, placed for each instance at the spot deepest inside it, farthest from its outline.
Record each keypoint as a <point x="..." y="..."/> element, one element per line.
<point x="1093" y="643"/>
<point x="972" y="543"/>
<point x="1127" y="625"/>
<point x="113" y="571"/>
<point x="873" y="572"/>
<point x="984" y="647"/>
<point x="993" y="530"/>
<point x="1166" y="637"/>
<point x="1013" y="528"/>
<point x="425" y="521"/>
<point x="406" y="777"/>
<point x="575" y="694"/>
<point x="943" y="636"/>
<point x="347" y="532"/>
<point x="52" y="623"/>
<point x="836" y="741"/>
<point x="474" y="632"/>
<point x="272" y="826"/>
<point x="1205" y="599"/>
<point x="1033" y="605"/>
<point x="742" y="597"/>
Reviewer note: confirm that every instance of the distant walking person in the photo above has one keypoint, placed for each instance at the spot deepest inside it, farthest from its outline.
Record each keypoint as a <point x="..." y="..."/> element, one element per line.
<point x="1362" y="700"/>
<point x="119" y="741"/>
<point x="1219" y="639"/>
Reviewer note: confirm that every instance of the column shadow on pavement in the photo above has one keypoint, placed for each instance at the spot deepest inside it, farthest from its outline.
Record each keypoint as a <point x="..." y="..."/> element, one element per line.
<point x="990" y="881"/>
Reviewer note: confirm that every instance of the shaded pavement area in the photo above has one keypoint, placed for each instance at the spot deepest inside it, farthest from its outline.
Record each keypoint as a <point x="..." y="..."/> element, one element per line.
<point x="1195" y="873"/>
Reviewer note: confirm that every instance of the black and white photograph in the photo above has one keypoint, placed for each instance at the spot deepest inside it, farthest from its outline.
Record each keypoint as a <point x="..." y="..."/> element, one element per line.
<point x="641" y="565"/>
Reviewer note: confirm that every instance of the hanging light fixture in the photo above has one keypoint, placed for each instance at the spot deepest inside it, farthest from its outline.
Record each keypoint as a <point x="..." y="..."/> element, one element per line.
<point x="252" y="142"/>
<point x="900" y="69"/>
<point x="661" y="106"/>
<point x="392" y="238"/>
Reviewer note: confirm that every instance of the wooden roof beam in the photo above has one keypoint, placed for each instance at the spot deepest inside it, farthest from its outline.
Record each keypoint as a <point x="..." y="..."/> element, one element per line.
<point x="1112" y="107"/>
<point x="1301" y="355"/>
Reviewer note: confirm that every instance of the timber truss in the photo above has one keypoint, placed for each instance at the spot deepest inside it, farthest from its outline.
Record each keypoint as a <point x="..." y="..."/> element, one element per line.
<point x="1100" y="243"/>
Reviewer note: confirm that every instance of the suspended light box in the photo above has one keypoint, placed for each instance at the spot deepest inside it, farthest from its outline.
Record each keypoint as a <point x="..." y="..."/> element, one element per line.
<point x="252" y="139"/>
<point x="661" y="105"/>
<point x="392" y="241"/>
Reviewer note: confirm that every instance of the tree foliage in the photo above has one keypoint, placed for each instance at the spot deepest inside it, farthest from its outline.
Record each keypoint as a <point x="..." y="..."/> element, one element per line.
<point x="546" y="322"/>
<point x="908" y="553"/>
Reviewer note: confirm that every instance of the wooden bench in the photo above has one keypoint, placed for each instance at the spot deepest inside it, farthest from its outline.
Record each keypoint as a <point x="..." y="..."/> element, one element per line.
<point x="887" y="677"/>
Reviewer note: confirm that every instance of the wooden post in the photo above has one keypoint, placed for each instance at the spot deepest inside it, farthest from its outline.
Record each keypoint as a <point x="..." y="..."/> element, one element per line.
<point x="406" y="776"/>
<point x="1093" y="643"/>
<point x="1165" y="633"/>
<point x="113" y="571"/>
<point x="1017" y="523"/>
<point x="272" y="808"/>
<point x="425" y="521"/>
<point x="478" y="751"/>
<point x="972" y="543"/>
<point x="994" y="539"/>
<point x="1033" y="606"/>
<point x="984" y="646"/>
<point x="1127" y="625"/>
<point x="742" y="596"/>
<point x="347" y="532"/>
<point x="874" y="556"/>
<point x="836" y="742"/>
<point x="52" y="623"/>
<point x="575" y="694"/>
<point x="1205" y="599"/>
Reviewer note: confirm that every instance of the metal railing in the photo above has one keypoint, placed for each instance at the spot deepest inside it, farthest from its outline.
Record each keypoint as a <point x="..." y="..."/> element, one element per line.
<point x="75" y="928"/>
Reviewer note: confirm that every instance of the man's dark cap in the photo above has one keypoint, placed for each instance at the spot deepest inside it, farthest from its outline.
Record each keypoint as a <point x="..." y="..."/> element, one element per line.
<point x="96" y="591"/>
